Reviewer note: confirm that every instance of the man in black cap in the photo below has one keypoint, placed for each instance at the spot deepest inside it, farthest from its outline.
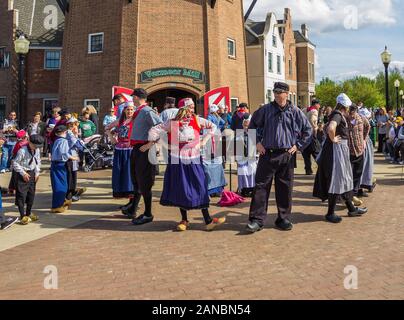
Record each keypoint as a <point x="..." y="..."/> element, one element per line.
<point x="27" y="164"/>
<point x="283" y="130"/>
<point x="142" y="170"/>
<point x="313" y="149"/>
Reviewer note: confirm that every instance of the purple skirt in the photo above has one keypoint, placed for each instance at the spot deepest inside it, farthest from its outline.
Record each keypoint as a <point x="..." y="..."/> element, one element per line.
<point x="185" y="186"/>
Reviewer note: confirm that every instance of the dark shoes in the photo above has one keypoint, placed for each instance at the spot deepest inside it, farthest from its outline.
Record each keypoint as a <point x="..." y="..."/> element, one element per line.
<point x="333" y="218"/>
<point x="358" y="212"/>
<point x="283" y="224"/>
<point x="142" y="219"/>
<point x="362" y="194"/>
<point x="253" y="227"/>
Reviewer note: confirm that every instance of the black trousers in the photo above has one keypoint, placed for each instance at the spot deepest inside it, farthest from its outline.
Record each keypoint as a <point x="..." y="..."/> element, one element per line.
<point x="278" y="165"/>
<point x="333" y="199"/>
<point x="381" y="139"/>
<point x="71" y="180"/>
<point x="311" y="151"/>
<point x="25" y="193"/>
<point x="143" y="174"/>
<point x="357" y="164"/>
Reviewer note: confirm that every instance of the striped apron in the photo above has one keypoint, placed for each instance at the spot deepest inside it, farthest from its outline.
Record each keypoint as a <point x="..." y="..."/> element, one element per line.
<point x="342" y="177"/>
<point x="367" y="175"/>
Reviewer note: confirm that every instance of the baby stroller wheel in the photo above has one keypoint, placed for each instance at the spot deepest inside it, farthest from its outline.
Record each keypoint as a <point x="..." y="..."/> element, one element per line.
<point x="87" y="168"/>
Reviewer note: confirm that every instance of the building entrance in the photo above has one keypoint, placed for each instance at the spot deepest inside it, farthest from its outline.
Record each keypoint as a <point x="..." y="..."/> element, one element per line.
<point x="158" y="98"/>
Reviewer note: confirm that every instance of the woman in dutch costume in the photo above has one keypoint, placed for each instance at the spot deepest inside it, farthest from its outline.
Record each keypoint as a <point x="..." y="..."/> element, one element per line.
<point x="122" y="185"/>
<point x="185" y="183"/>
<point x="334" y="178"/>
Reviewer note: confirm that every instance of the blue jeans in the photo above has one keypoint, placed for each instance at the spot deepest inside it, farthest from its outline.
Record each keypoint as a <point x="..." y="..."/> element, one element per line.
<point x="4" y="158"/>
<point x="9" y="146"/>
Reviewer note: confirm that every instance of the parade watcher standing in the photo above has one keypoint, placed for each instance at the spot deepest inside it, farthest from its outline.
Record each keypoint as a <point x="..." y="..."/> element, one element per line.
<point x="314" y="147"/>
<point x="285" y="129"/>
<point x="334" y="176"/>
<point x="170" y="111"/>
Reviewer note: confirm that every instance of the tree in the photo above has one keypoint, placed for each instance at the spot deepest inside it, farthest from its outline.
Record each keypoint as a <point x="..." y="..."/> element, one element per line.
<point x="327" y="91"/>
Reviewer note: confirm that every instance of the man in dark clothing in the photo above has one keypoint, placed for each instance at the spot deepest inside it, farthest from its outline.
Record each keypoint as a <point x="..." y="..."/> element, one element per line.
<point x="285" y="129"/>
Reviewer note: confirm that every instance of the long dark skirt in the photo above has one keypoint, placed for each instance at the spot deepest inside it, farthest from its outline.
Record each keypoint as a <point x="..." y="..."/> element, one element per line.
<point x="59" y="183"/>
<point x="122" y="185"/>
<point x="185" y="186"/>
<point x="334" y="174"/>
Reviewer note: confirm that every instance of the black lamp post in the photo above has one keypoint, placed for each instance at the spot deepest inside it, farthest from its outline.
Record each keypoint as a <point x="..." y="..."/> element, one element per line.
<point x="21" y="48"/>
<point x="397" y="86"/>
<point x="386" y="59"/>
<point x="402" y="98"/>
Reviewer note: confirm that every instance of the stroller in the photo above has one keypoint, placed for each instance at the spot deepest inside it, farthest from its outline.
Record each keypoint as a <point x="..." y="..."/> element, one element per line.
<point x="97" y="153"/>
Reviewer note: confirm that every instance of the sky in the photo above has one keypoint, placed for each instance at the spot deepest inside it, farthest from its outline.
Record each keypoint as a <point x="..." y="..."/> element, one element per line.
<point x="349" y="38"/>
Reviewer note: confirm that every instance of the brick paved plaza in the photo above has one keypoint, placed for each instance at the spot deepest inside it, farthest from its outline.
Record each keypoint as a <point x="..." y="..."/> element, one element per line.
<point x="100" y="256"/>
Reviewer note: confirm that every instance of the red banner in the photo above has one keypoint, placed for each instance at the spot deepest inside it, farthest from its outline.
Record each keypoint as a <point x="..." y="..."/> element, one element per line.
<point x="123" y="91"/>
<point x="219" y="96"/>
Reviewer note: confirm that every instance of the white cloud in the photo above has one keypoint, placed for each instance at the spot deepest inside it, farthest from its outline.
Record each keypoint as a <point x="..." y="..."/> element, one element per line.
<point x="329" y="15"/>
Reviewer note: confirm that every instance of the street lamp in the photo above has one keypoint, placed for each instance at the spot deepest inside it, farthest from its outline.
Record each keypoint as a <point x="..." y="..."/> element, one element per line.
<point x="397" y="85"/>
<point x="21" y="46"/>
<point x="386" y="59"/>
<point x="402" y="97"/>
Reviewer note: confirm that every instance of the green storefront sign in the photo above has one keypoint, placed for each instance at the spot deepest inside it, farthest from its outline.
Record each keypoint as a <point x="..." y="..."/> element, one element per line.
<point x="149" y="75"/>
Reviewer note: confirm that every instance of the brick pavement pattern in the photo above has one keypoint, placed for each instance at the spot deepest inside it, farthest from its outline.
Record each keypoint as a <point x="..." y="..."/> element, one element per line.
<point x="110" y="259"/>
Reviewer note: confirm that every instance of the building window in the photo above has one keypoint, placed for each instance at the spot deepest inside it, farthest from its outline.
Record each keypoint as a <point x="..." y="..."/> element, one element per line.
<point x="231" y="48"/>
<point x="2" y="109"/>
<point x="234" y="104"/>
<point x="52" y="59"/>
<point x="270" y="62"/>
<point x="274" y="41"/>
<point x="312" y="72"/>
<point x="93" y="102"/>
<point x="278" y="64"/>
<point x="48" y="105"/>
<point x="291" y="66"/>
<point x="269" y="96"/>
<point x="2" y="57"/>
<point x="96" y="42"/>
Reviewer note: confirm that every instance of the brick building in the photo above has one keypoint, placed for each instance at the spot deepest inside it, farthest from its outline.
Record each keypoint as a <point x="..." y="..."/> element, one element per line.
<point x="266" y="64"/>
<point x="42" y="22"/>
<point x="178" y="48"/>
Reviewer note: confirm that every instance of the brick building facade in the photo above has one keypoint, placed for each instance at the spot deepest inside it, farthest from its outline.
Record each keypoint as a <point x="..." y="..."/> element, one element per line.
<point x="42" y="23"/>
<point x="177" y="48"/>
<point x="297" y="67"/>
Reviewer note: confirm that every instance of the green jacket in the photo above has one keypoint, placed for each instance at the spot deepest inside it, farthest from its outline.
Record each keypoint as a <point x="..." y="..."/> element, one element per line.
<point x="88" y="128"/>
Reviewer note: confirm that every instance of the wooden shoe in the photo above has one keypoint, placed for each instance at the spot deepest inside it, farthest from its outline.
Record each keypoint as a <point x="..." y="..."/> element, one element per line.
<point x="58" y="210"/>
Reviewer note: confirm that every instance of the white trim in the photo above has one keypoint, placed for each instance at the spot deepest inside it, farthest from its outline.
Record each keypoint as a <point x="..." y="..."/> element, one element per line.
<point x="234" y="98"/>
<point x="44" y="60"/>
<point x="305" y="44"/>
<point x="44" y="48"/>
<point x="235" y="51"/>
<point x="85" y="104"/>
<point x="89" y="42"/>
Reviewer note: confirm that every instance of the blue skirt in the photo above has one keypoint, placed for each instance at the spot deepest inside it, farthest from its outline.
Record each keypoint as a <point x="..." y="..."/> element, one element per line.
<point x="58" y="175"/>
<point x="121" y="178"/>
<point x="185" y="186"/>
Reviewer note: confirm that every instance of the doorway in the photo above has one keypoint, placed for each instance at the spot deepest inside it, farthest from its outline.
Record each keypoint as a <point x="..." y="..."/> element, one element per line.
<point x="158" y="98"/>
